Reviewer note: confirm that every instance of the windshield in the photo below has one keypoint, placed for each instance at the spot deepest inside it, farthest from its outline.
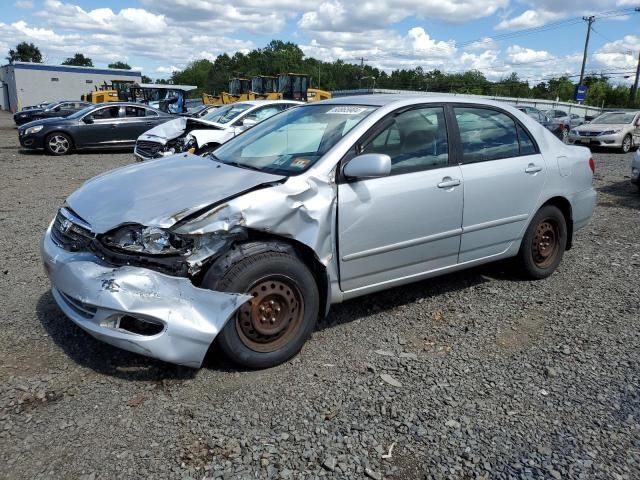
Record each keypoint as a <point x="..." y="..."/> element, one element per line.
<point x="614" y="118"/>
<point x="81" y="113"/>
<point x="226" y="114"/>
<point x="291" y="142"/>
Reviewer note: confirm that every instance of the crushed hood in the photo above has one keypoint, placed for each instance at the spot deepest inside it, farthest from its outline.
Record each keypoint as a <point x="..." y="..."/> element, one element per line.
<point x="161" y="193"/>
<point x="175" y="128"/>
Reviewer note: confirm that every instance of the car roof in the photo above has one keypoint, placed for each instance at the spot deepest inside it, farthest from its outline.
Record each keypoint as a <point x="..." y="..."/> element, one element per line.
<point x="400" y="100"/>
<point x="125" y="104"/>
<point x="267" y="102"/>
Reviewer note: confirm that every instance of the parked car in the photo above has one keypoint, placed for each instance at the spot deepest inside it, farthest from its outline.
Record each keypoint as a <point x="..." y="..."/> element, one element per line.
<point x="105" y="125"/>
<point x="562" y="122"/>
<point x="325" y="202"/>
<point x="619" y="130"/>
<point x="205" y="134"/>
<point x="635" y="169"/>
<point x="199" y="111"/>
<point x="51" y="110"/>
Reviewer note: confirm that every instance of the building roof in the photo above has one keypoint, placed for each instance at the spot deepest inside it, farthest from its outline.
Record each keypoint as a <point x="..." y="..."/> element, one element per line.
<point x="73" y="69"/>
<point x="167" y="86"/>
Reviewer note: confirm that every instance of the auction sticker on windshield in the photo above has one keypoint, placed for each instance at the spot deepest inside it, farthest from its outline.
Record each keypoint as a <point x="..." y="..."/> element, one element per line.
<point x="347" y="110"/>
<point x="300" y="163"/>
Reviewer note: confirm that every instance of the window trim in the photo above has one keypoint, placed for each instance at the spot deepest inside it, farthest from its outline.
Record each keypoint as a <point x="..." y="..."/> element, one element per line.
<point x="517" y="122"/>
<point x="381" y="125"/>
<point x="104" y="120"/>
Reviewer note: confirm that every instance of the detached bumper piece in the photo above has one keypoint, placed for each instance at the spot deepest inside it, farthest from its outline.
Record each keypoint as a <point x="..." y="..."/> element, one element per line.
<point x="137" y="309"/>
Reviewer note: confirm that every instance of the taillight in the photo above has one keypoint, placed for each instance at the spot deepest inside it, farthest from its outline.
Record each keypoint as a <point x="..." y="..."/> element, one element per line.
<point x="592" y="165"/>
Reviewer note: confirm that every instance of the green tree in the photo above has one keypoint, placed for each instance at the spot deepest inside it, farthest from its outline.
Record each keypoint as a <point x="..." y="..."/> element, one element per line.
<point x="78" y="60"/>
<point x="146" y="79"/>
<point x="120" y="65"/>
<point x="25" y="52"/>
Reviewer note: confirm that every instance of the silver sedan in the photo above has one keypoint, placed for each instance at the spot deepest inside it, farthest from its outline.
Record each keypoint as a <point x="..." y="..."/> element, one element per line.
<point x="251" y="244"/>
<point x="619" y="130"/>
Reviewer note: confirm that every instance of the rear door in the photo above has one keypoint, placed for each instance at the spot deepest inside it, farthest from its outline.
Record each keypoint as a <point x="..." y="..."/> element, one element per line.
<point x="503" y="174"/>
<point x="408" y="223"/>
<point x="103" y="129"/>
<point x="136" y="120"/>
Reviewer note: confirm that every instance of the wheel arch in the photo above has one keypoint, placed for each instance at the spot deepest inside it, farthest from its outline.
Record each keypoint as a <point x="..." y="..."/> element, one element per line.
<point x="66" y="132"/>
<point x="258" y="242"/>
<point x="564" y="206"/>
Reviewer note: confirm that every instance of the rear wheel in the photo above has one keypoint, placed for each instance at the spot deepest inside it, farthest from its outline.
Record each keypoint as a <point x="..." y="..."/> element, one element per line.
<point x="58" y="144"/>
<point x="544" y="243"/>
<point x="206" y="149"/>
<point x="626" y="144"/>
<point x="275" y="324"/>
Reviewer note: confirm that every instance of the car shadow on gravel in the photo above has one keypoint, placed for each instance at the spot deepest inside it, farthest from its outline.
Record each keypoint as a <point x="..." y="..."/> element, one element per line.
<point x="386" y="300"/>
<point x="88" y="352"/>
<point x="104" y="151"/>
<point x="619" y="194"/>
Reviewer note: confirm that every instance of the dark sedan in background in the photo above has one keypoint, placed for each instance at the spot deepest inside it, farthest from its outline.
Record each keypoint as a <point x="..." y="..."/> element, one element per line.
<point x="105" y="125"/>
<point x="63" y="108"/>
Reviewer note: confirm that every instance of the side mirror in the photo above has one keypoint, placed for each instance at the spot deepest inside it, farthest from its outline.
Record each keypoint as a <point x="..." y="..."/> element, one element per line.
<point x="88" y="120"/>
<point x="368" y="165"/>
<point x="249" y="122"/>
<point x="57" y="109"/>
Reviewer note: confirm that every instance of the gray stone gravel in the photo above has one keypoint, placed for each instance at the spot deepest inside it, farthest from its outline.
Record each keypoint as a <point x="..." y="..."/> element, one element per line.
<point x="499" y="378"/>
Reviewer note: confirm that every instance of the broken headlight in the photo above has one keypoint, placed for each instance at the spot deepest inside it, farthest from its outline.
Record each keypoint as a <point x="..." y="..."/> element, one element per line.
<point x="148" y="240"/>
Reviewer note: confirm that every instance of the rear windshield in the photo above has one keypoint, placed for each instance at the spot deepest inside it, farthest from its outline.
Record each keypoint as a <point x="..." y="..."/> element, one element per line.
<point x="291" y="142"/>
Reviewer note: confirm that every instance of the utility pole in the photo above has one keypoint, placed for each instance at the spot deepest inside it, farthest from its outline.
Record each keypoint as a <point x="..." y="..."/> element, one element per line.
<point x="590" y="21"/>
<point x="362" y="60"/>
<point x="634" y="89"/>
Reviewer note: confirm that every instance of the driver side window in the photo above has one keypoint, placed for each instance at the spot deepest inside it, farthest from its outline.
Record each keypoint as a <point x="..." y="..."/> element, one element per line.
<point x="416" y="140"/>
<point x="107" y="113"/>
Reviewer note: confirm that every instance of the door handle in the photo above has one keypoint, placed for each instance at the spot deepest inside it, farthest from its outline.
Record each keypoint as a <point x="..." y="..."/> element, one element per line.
<point x="533" y="168"/>
<point x="448" y="182"/>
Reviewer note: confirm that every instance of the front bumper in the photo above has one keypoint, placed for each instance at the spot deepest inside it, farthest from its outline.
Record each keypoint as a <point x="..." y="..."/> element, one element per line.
<point x="96" y="297"/>
<point x="612" y="141"/>
<point x="33" y="141"/>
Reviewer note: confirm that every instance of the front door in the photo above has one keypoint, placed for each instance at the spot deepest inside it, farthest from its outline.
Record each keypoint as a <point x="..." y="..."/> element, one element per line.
<point x="503" y="174"/>
<point x="103" y="129"/>
<point x="407" y="223"/>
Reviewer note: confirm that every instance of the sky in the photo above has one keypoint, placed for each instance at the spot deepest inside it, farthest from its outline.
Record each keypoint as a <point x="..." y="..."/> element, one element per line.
<point x="538" y="39"/>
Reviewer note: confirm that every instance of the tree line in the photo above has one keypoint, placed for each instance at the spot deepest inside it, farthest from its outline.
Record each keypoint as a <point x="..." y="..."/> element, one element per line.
<point x="286" y="57"/>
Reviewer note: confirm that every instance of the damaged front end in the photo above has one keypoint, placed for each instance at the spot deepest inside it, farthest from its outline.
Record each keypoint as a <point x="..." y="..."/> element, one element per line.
<point x="170" y="138"/>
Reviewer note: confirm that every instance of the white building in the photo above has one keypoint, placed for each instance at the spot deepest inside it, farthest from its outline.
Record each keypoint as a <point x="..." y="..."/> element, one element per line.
<point x="23" y="84"/>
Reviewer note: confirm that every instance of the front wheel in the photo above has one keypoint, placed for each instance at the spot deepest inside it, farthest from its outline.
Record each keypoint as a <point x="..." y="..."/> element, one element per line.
<point x="626" y="144"/>
<point x="58" y="144"/>
<point x="275" y="324"/>
<point x="544" y="243"/>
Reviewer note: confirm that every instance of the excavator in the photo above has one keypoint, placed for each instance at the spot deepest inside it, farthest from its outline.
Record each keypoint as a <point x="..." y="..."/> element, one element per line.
<point x="286" y="86"/>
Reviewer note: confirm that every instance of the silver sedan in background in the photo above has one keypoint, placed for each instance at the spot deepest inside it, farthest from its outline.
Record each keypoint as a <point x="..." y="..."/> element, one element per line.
<point x="251" y="244"/>
<point x="620" y="130"/>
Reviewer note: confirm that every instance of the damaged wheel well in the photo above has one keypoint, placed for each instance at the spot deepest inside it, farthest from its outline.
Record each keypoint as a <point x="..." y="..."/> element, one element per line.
<point x="260" y="242"/>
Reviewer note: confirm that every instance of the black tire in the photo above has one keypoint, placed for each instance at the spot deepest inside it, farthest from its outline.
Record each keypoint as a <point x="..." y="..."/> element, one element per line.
<point x="208" y="148"/>
<point x="626" y="144"/>
<point x="58" y="143"/>
<point x="544" y="243"/>
<point x="564" y="135"/>
<point x="275" y="325"/>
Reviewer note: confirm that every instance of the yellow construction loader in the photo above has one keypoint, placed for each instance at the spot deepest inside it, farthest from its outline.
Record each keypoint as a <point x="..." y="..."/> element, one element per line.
<point x="286" y="86"/>
<point x="108" y="92"/>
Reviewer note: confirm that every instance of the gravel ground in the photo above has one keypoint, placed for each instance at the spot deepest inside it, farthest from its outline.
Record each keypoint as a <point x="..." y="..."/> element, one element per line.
<point x="472" y="375"/>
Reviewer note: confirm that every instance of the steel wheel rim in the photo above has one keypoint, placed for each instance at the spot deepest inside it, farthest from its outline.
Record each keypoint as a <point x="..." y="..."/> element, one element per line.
<point x="58" y="144"/>
<point x="274" y="315"/>
<point x="546" y="243"/>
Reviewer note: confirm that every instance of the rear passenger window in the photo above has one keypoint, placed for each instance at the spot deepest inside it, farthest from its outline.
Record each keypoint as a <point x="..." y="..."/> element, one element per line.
<point x="416" y="140"/>
<point x="486" y="134"/>
<point x="527" y="147"/>
<point x="134" y="111"/>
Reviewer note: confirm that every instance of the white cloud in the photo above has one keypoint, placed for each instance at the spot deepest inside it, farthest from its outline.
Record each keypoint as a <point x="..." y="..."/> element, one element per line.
<point x="528" y="19"/>
<point x="518" y="54"/>
<point x="485" y="43"/>
<point x="167" y="70"/>
<point x="620" y="54"/>
<point x="24" y="4"/>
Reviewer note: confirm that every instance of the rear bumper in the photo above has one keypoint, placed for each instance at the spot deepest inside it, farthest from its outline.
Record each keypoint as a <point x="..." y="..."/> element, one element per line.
<point x="184" y="318"/>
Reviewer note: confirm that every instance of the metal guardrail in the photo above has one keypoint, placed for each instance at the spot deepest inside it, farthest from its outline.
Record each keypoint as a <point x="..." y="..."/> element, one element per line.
<point x="569" y="107"/>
